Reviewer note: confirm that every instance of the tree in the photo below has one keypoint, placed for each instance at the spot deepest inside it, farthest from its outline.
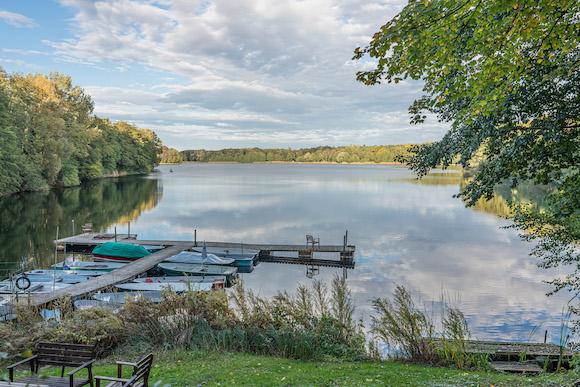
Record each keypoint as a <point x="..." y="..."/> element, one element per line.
<point x="506" y="75"/>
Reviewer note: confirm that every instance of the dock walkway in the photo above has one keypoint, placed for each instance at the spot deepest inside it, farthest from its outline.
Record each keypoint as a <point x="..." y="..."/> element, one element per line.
<point x="88" y="241"/>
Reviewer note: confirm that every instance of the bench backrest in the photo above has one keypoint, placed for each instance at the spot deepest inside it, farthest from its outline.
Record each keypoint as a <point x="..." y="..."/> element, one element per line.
<point x="62" y="354"/>
<point x="141" y="372"/>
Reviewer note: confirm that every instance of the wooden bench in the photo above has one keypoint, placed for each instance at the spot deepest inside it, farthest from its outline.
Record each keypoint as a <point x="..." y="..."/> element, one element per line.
<point x="310" y="240"/>
<point x="139" y="377"/>
<point x="62" y="355"/>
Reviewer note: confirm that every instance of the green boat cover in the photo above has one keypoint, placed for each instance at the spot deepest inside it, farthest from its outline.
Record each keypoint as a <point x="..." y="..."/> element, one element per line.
<point x="125" y="250"/>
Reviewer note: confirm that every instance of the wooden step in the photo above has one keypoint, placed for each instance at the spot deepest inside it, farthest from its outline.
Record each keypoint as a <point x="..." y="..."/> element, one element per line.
<point x="512" y="366"/>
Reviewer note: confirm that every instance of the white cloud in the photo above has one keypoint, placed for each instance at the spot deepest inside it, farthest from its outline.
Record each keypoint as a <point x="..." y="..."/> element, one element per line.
<point x="17" y="20"/>
<point x="263" y="67"/>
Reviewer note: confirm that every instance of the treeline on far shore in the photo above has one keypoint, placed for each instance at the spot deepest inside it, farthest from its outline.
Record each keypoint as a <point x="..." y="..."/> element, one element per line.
<point x="51" y="138"/>
<point x="342" y="154"/>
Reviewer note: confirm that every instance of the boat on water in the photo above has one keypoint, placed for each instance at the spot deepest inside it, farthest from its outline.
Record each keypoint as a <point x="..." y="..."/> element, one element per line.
<point x="66" y="279"/>
<point x="122" y="297"/>
<point x="177" y="287"/>
<point x="189" y="269"/>
<point x="241" y="257"/>
<point x="199" y="258"/>
<point x="119" y="252"/>
<point x="82" y="265"/>
<point x="35" y="287"/>
<point x="218" y="281"/>
<point x="81" y="273"/>
<point x="88" y="304"/>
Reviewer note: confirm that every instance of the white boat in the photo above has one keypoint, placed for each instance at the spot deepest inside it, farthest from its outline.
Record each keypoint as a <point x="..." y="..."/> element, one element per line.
<point x="177" y="287"/>
<point x="193" y="257"/>
<point x="122" y="297"/>
<point x="82" y="265"/>
<point x="82" y="273"/>
<point x="35" y="287"/>
<point x="182" y="278"/>
<point x="67" y="279"/>
<point x="87" y="304"/>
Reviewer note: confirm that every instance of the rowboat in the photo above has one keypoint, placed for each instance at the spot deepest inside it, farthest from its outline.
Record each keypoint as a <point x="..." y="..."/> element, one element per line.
<point x="81" y="273"/>
<point x="199" y="259"/>
<point x="241" y="257"/>
<point x="216" y="280"/>
<point x="35" y="287"/>
<point x="122" y="297"/>
<point x="82" y="265"/>
<point x="66" y="279"/>
<point x="199" y="270"/>
<point x="177" y="287"/>
<point x="119" y="252"/>
<point x="87" y="304"/>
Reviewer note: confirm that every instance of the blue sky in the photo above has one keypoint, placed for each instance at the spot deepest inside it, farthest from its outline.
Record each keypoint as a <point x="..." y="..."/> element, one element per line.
<point x="222" y="74"/>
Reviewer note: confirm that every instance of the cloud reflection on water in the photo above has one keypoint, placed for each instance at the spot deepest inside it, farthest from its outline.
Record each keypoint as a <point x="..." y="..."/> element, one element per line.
<point x="406" y="232"/>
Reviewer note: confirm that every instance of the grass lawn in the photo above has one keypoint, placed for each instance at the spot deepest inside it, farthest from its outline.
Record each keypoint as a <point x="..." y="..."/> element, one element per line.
<point x="200" y="368"/>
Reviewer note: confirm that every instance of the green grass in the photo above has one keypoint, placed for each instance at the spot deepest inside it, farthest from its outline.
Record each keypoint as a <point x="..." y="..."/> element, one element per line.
<point x="201" y="368"/>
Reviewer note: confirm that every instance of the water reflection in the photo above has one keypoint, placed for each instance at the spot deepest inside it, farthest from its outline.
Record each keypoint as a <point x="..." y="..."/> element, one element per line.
<point x="28" y="222"/>
<point x="407" y="231"/>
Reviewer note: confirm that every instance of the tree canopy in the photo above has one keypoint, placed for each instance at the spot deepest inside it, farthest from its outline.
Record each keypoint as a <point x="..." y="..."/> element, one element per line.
<point x="506" y="75"/>
<point x="50" y="137"/>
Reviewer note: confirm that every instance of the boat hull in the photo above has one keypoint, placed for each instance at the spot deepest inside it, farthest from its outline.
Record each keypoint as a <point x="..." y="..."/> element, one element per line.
<point x="179" y="269"/>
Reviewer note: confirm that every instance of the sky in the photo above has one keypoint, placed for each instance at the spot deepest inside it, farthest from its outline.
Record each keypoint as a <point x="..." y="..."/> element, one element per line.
<point x="221" y="74"/>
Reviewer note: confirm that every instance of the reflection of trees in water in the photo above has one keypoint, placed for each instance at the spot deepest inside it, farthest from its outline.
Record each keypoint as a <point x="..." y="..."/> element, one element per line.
<point x="28" y="222"/>
<point x="524" y="193"/>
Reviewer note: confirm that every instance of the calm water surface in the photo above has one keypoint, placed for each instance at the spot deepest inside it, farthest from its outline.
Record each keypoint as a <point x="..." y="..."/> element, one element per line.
<point x="407" y="232"/>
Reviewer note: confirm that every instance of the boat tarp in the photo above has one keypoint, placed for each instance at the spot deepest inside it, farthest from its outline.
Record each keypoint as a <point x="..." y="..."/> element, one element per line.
<point x="125" y="250"/>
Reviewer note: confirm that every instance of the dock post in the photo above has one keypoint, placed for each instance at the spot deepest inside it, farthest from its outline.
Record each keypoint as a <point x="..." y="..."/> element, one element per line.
<point x="115" y="233"/>
<point x="195" y="238"/>
<point x="129" y="230"/>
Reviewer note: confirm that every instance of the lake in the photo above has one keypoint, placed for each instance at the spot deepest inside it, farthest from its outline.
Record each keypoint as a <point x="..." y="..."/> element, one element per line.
<point x="406" y="231"/>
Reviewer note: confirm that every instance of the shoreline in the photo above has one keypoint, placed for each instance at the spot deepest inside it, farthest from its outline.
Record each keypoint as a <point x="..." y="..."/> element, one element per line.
<point x="285" y="162"/>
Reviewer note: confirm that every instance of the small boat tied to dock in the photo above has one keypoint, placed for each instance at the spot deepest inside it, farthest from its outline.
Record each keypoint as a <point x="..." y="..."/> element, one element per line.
<point x="111" y="273"/>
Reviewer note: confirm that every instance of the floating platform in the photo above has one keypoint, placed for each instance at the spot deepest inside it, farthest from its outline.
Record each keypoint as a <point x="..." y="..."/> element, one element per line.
<point x="87" y="241"/>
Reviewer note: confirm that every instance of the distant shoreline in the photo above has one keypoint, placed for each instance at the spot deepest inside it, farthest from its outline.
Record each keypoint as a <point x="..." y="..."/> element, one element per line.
<point x="284" y="162"/>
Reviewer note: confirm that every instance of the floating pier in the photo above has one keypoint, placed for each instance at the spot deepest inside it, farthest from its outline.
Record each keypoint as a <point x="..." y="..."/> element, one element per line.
<point x="268" y="253"/>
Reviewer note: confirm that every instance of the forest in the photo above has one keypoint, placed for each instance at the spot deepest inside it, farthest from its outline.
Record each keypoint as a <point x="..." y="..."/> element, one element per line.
<point x="51" y="138"/>
<point x="342" y="154"/>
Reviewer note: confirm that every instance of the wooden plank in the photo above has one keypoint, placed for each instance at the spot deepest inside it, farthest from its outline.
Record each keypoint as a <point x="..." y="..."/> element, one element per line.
<point x="510" y="366"/>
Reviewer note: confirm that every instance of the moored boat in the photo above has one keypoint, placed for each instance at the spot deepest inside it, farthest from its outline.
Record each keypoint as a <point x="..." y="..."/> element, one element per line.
<point x="199" y="259"/>
<point x="87" y="304"/>
<point x="199" y="270"/>
<point x="35" y="287"/>
<point x="119" y="252"/>
<point x="122" y="297"/>
<point x="82" y="265"/>
<point x="177" y="287"/>
<point x="218" y="281"/>
<point x="241" y="257"/>
<point x="82" y="273"/>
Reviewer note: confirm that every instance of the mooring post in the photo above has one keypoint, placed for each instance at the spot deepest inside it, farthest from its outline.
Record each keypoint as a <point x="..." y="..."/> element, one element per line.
<point x="129" y="230"/>
<point x="115" y="233"/>
<point x="195" y="238"/>
<point x="545" y="336"/>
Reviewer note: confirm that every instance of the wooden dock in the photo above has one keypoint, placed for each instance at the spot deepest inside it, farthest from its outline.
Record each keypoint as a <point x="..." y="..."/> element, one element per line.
<point x="88" y="241"/>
